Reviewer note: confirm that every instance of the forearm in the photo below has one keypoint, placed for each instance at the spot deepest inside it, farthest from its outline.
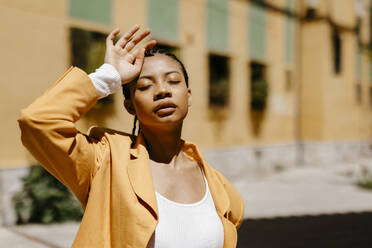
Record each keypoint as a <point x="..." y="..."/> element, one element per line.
<point x="48" y="124"/>
<point x="48" y="130"/>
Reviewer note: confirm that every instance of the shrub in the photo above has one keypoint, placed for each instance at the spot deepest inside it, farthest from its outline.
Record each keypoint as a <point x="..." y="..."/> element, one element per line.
<point x="44" y="199"/>
<point x="365" y="183"/>
<point x="259" y="92"/>
<point x="365" y="179"/>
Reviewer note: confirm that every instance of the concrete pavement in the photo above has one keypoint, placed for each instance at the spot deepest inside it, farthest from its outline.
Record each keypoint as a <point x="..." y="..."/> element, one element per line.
<point x="298" y="191"/>
<point x="307" y="191"/>
<point x="14" y="240"/>
<point x="39" y="236"/>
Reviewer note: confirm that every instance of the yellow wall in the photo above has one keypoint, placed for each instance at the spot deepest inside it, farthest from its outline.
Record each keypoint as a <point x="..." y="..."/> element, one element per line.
<point x="34" y="52"/>
<point x="330" y="110"/>
<point x="322" y="105"/>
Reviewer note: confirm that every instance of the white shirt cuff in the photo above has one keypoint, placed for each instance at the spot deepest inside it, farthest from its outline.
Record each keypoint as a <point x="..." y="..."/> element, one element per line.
<point x="106" y="79"/>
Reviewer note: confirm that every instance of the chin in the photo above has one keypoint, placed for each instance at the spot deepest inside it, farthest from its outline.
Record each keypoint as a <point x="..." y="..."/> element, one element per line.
<point x="170" y="119"/>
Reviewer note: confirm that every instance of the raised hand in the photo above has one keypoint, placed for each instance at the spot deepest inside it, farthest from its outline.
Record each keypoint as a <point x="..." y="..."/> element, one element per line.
<point x="120" y="55"/>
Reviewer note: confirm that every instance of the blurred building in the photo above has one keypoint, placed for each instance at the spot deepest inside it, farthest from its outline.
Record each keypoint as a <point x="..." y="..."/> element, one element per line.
<point x="275" y="83"/>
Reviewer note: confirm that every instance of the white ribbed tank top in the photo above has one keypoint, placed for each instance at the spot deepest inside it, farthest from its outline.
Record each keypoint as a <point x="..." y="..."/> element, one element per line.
<point x="194" y="225"/>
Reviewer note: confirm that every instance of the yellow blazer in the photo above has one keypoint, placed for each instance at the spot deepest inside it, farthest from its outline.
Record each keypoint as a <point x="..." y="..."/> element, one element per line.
<point x="112" y="181"/>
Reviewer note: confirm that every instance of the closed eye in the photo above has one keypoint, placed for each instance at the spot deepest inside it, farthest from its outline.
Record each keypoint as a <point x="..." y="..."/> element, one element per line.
<point x="142" y="88"/>
<point x="174" y="82"/>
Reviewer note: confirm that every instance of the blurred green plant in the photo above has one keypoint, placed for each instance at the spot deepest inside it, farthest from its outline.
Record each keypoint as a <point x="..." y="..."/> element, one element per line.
<point x="219" y="91"/>
<point x="278" y="167"/>
<point x="88" y="52"/>
<point x="366" y="183"/>
<point x="259" y="93"/>
<point x="44" y="199"/>
<point x="365" y="180"/>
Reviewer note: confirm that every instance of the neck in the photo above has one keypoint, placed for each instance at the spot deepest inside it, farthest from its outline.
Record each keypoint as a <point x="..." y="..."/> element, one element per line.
<point x="163" y="145"/>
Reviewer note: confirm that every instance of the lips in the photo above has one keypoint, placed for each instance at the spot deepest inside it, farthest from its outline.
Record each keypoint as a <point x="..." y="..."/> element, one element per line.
<point x="165" y="108"/>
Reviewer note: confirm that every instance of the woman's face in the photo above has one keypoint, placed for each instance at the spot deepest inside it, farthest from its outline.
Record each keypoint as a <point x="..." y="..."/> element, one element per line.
<point x="160" y="95"/>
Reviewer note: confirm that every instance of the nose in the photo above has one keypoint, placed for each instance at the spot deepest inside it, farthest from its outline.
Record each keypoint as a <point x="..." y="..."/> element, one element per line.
<point x="163" y="90"/>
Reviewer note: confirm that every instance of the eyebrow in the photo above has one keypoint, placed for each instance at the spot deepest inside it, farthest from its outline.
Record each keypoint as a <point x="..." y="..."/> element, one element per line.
<point x="150" y="77"/>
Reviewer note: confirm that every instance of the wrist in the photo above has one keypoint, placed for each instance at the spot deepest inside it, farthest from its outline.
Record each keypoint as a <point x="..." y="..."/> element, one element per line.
<point x="106" y="79"/>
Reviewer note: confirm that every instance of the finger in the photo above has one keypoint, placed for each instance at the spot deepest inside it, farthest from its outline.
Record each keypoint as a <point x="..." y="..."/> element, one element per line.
<point x="129" y="46"/>
<point x="147" y="46"/>
<point x="133" y="55"/>
<point x="123" y="40"/>
<point x="110" y="38"/>
<point x="139" y="58"/>
<point x="150" y="44"/>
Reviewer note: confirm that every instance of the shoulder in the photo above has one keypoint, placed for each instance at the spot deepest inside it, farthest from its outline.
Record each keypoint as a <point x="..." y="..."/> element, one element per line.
<point x="236" y="201"/>
<point x="106" y="139"/>
<point x="102" y="133"/>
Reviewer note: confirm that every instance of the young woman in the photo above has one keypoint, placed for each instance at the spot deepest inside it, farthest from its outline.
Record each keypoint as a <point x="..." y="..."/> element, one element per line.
<point x="153" y="190"/>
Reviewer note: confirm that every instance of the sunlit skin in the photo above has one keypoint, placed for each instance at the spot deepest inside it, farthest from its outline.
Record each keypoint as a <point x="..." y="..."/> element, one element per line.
<point x="159" y="96"/>
<point x="160" y="99"/>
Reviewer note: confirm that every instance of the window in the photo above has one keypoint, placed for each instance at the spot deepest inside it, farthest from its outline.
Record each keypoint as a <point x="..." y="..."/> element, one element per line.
<point x="337" y="51"/>
<point x="358" y="93"/>
<point x="288" y="80"/>
<point x="218" y="81"/>
<point x="310" y="13"/>
<point x="370" y="33"/>
<point x="290" y="35"/>
<point x="217" y="24"/>
<point x="88" y="53"/>
<point x="257" y="31"/>
<point x="162" y="19"/>
<point x="358" y="64"/>
<point x="312" y="6"/>
<point x="258" y="92"/>
<point x="91" y="10"/>
<point x="259" y="87"/>
<point x="290" y="42"/>
<point x="370" y="69"/>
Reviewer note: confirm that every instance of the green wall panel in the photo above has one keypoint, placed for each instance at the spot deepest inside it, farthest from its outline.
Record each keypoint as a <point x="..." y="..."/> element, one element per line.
<point x="91" y="10"/>
<point x="162" y="19"/>
<point x="290" y="44"/>
<point x="291" y="4"/>
<point x="257" y="32"/>
<point x="217" y="24"/>
<point x="290" y="34"/>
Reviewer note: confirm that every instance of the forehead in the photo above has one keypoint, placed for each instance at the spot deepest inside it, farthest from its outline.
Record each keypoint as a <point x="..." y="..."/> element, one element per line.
<point x="159" y="64"/>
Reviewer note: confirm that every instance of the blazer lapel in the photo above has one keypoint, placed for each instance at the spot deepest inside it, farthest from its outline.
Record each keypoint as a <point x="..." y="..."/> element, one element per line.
<point x="216" y="187"/>
<point x="140" y="177"/>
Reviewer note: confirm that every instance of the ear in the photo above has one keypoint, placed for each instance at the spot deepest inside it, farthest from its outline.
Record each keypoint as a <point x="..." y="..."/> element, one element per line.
<point x="189" y="97"/>
<point x="129" y="107"/>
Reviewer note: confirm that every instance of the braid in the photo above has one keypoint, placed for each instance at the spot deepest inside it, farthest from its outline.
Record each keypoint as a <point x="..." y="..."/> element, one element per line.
<point x="134" y="130"/>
